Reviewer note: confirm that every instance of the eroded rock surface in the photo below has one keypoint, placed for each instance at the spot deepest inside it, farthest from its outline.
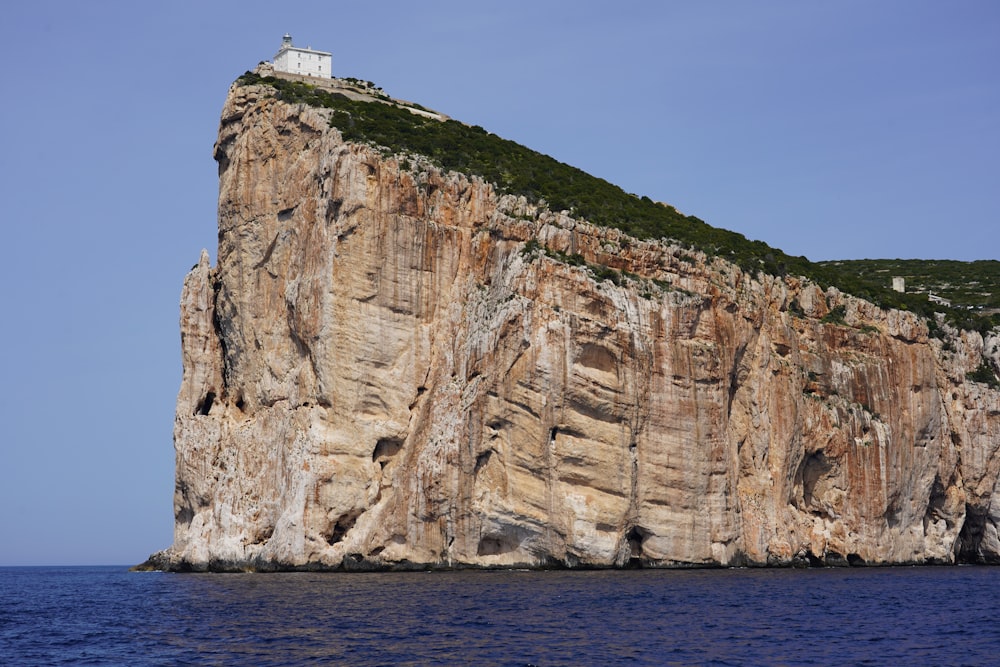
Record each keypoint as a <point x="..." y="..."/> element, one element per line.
<point x="381" y="372"/>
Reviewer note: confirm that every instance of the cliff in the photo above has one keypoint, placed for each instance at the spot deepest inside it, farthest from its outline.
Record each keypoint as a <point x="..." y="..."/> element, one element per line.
<point x="392" y="366"/>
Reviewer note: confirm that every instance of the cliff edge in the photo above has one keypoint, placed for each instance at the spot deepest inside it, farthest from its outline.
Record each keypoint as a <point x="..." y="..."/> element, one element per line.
<point x="393" y="366"/>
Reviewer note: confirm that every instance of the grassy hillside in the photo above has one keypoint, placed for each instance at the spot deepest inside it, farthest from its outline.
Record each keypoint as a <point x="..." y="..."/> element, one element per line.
<point x="518" y="170"/>
<point x="965" y="284"/>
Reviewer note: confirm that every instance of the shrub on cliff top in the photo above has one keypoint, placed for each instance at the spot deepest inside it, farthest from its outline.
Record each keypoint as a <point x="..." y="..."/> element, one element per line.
<point x="984" y="373"/>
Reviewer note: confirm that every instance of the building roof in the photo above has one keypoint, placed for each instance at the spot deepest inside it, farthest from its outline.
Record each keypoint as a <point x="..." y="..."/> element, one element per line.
<point x="286" y="45"/>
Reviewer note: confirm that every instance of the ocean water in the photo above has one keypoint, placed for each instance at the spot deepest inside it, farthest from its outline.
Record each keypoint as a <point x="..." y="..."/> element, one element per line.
<point x="877" y="616"/>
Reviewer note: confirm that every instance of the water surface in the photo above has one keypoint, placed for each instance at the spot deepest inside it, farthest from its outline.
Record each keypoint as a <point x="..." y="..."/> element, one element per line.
<point x="878" y="616"/>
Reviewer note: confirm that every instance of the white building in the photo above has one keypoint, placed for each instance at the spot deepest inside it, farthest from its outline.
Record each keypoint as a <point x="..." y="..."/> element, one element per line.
<point x="296" y="60"/>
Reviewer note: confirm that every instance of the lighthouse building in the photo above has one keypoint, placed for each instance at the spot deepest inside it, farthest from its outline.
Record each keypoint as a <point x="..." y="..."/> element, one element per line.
<point x="296" y="60"/>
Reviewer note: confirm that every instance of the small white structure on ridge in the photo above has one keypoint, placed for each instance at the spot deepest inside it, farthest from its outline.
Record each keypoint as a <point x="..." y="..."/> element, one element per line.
<point x="296" y="60"/>
<point x="899" y="284"/>
<point x="934" y="298"/>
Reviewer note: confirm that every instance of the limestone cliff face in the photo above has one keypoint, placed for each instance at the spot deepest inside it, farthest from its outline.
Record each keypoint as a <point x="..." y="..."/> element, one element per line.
<point x="381" y="371"/>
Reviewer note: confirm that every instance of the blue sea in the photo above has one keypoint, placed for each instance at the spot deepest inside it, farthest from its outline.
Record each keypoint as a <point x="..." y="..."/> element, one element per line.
<point x="877" y="616"/>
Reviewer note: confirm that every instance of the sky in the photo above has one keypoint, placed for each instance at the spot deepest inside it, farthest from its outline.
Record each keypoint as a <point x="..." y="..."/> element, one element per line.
<point x="835" y="130"/>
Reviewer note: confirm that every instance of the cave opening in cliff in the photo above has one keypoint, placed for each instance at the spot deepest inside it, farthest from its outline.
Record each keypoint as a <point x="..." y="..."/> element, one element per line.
<point x="341" y="526"/>
<point x="969" y="547"/>
<point x="502" y="540"/>
<point x="205" y="404"/>
<point x="482" y="460"/>
<point x="635" y="536"/>
<point x="385" y="449"/>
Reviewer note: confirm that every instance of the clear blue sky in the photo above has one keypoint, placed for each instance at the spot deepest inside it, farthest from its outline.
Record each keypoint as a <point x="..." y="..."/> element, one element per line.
<point x="845" y="129"/>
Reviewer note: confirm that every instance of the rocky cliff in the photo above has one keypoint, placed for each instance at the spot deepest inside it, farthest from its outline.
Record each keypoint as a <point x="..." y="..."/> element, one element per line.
<point x="392" y="367"/>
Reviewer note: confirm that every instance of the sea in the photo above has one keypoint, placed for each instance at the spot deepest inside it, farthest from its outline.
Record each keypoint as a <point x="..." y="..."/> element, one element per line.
<point x="838" y="616"/>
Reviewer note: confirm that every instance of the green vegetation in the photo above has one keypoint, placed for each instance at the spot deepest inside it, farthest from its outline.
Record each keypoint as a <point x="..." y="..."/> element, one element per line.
<point x="972" y="288"/>
<point x="361" y="83"/>
<point x="530" y="248"/>
<point x="975" y="284"/>
<point x="985" y="375"/>
<point x="836" y="315"/>
<point x="517" y="170"/>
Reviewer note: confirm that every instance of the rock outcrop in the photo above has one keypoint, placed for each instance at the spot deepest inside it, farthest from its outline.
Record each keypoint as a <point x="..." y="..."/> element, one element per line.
<point x="395" y="367"/>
